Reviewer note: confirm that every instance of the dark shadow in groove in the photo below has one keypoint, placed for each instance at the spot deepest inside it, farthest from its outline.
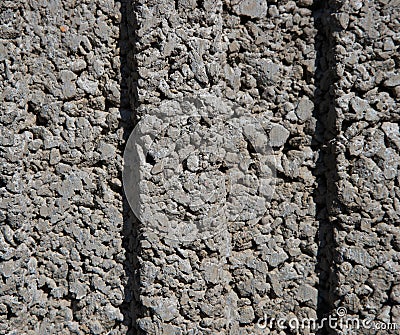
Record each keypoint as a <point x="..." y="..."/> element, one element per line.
<point x="325" y="171"/>
<point x="131" y="307"/>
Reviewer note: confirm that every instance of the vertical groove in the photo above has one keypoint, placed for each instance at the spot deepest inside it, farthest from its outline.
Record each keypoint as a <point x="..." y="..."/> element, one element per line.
<point x="326" y="170"/>
<point x="131" y="308"/>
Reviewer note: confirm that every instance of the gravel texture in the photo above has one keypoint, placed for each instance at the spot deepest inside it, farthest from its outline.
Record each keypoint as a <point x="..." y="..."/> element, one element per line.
<point x="62" y="258"/>
<point x="311" y="185"/>
<point x="262" y="59"/>
<point x="367" y="96"/>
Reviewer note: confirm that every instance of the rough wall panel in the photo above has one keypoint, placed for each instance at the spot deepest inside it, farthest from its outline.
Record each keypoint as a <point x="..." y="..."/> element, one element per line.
<point x="261" y="58"/>
<point x="314" y="85"/>
<point x="367" y="108"/>
<point x="274" y="54"/>
<point x="61" y="268"/>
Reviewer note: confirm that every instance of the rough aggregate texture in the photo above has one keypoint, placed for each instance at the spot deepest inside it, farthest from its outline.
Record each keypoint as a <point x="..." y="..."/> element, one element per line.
<point x="367" y="111"/>
<point x="321" y="77"/>
<point x="62" y="259"/>
<point x="265" y="66"/>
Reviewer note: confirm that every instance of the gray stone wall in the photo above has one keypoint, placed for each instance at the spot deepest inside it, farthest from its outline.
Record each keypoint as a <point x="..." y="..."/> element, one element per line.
<point x="321" y="79"/>
<point x="262" y="58"/>
<point x="367" y="109"/>
<point x="62" y="260"/>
